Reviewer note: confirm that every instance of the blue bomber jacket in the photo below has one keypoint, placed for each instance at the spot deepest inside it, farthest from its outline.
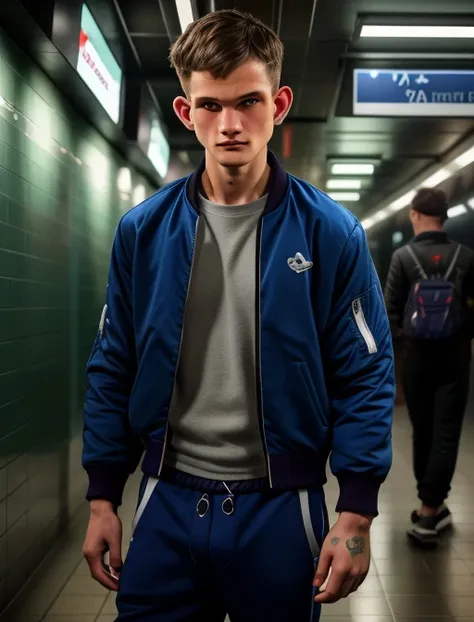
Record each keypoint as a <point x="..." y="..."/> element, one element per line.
<point x="324" y="363"/>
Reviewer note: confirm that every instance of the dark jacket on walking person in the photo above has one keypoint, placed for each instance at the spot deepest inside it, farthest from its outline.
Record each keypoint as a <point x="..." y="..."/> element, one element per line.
<point x="429" y="296"/>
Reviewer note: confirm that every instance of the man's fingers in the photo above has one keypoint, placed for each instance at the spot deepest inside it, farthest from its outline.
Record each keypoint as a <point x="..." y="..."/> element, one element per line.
<point x="349" y="586"/>
<point x="359" y="581"/>
<point x="325" y="584"/>
<point x="99" y="573"/>
<point x="332" y="593"/>
<point x="352" y="584"/>
<point x="113" y="540"/>
<point x="104" y="535"/>
<point x="322" y="571"/>
<point x="115" y="554"/>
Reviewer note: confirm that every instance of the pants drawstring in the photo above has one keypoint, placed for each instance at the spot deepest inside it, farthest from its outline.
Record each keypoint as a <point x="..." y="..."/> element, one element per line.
<point x="228" y="505"/>
<point x="203" y="505"/>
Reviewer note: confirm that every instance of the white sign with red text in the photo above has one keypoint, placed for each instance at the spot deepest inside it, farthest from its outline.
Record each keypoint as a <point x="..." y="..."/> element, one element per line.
<point x="93" y="70"/>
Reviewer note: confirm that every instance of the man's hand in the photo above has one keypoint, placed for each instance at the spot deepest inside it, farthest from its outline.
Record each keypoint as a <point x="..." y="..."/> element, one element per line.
<point x="346" y="551"/>
<point x="104" y="534"/>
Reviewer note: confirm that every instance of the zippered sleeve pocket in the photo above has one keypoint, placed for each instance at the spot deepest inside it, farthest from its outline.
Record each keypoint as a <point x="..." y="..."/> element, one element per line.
<point x="364" y="321"/>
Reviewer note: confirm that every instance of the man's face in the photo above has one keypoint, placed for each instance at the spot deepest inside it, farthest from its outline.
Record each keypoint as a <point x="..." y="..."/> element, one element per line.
<point x="234" y="117"/>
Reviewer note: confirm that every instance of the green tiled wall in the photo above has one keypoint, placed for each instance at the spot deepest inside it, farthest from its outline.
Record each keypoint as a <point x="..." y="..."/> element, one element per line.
<point x="60" y="200"/>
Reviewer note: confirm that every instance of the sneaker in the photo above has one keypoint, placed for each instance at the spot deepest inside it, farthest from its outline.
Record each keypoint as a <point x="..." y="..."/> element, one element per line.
<point x="427" y="528"/>
<point x="443" y="518"/>
<point x="415" y="517"/>
<point x="424" y="532"/>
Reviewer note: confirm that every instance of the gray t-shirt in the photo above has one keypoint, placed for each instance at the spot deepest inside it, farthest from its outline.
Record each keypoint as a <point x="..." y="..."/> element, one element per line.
<point x="214" y="412"/>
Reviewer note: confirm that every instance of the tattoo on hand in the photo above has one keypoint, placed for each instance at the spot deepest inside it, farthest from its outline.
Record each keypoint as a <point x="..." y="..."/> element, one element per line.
<point x="335" y="541"/>
<point x="356" y="545"/>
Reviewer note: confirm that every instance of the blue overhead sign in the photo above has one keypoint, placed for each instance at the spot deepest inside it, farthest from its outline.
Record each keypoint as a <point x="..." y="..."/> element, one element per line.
<point x="387" y="92"/>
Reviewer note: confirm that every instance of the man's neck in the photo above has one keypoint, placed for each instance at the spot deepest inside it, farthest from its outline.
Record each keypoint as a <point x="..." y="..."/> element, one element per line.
<point x="236" y="186"/>
<point x="428" y="229"/>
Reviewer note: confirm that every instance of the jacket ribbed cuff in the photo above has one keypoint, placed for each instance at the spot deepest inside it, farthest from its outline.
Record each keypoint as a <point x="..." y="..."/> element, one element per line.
<point x="358" y="493"/>
<point x="106" y="481"/>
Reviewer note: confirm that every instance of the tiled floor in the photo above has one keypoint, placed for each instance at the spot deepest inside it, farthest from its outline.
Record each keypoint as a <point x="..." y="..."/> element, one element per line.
<point x="404" y="585"/>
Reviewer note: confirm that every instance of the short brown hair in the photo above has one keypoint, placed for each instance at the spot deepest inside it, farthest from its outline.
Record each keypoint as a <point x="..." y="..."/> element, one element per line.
<point x="222" y="41"/>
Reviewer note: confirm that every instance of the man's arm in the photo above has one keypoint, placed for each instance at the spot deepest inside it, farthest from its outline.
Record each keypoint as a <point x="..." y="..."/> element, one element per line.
<point x="360" y="380"/>
<point x="361" y="385"/>
<point x="111" y="452"/>
<point x="396" y="294"/>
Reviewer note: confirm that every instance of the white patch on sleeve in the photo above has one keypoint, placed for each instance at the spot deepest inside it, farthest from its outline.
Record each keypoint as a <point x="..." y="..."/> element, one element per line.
<point x="102" y="321"/>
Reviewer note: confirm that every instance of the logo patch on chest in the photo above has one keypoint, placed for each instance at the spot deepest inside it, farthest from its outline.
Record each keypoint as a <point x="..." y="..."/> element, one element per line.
<point x="299" y="264"/>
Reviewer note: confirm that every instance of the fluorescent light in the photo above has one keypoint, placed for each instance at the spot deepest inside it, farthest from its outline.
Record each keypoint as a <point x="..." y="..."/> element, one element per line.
<point x="402" y="202"/>
<point x="124" y="180"/>
<point x="458" y="210"/>
<point x="158" y="149"/>
<point x="437" y="178"/>
<point x="465" y="158"/>
<point x="352" y="169"/>
<point x="397" y="238"/>
<point x="368" y="223"/>
<point x="139" y="194"/>
<point x="345" y="196"/>
<point x="471" y="203"/>
<point x="344" y="184"/>
<point x="185" y="13"/>
<point x="381" y="215"/>
<point x="418" y="32"/>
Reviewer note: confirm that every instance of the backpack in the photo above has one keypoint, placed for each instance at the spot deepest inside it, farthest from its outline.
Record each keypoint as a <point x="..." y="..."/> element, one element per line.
<point x="434" y="309"/>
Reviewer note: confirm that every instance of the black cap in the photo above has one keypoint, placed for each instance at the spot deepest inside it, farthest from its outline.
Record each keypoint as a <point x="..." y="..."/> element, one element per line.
<point x="431" y="202"/>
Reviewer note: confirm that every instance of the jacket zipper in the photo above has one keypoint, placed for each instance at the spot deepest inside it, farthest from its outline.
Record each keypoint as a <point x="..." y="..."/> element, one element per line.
<point x="258" y="366"/>
<point x="102" y="321"/>
<point x="363" y="327"/>
<point x="180" y="345"/>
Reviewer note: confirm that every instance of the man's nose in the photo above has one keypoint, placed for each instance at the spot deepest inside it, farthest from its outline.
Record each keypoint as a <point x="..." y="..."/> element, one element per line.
<point x="229" y="122"/>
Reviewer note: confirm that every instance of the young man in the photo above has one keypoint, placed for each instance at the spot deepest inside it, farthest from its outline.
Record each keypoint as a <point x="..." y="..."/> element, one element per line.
<point x="244" y="339"/>
<point x="437" y="351"/>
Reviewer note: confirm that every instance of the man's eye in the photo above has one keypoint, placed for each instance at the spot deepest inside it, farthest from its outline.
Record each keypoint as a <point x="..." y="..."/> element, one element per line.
<point x="247" y="103"/>
<point x="211" y="106"/>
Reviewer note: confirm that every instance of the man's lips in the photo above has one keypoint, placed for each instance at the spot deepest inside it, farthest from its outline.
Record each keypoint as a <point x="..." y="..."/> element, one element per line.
<point x="231" y="143"/>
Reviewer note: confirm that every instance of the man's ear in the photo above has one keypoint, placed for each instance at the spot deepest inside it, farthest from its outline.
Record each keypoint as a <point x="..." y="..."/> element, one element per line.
<point x="282" y="101"/>
<point x="182" y="108"/>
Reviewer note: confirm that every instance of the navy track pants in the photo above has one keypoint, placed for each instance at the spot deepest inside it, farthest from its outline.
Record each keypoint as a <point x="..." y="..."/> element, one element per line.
<point x="195" y="556"/>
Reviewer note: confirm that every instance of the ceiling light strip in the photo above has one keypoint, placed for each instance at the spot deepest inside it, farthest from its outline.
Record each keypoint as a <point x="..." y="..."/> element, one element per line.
<point x="457" y="210"/>
<point x="352" y="168"/>
<point x="344" y="184"/>
<point x="345" y="196"/>
<point x="185" y="13"/>
<point x="416" y="32"/>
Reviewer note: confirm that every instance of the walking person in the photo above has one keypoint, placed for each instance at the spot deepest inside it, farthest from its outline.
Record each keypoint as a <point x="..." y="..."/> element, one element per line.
<point x="243" y="341"/>
<point x="429" y="295"/>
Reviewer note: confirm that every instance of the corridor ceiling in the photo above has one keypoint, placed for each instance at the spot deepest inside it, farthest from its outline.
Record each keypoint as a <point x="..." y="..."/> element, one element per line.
<point x="322" y="50"/>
